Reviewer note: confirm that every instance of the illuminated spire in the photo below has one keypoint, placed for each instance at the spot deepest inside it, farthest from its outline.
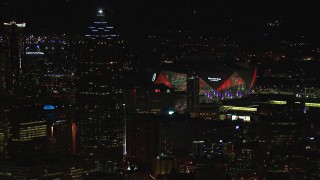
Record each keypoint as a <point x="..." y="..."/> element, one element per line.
<point x="100" y="29"/>
<point x="101" y="13"/>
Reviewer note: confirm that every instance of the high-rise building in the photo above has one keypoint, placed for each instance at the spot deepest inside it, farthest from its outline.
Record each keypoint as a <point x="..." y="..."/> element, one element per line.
<point x="143" y="137"/>
<point x="13" y="61"/>
<point x="61" y="129"/>
<point x="3" y="63"/>
<point x="4" y="132"/>
<point x="100" y="111"/>
<point x="100" y="29"/>
<point x="28" y="131"/>
<point x="164" y="165"/>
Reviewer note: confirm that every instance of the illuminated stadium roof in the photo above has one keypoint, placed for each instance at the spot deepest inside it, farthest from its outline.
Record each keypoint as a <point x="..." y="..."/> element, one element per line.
<point x="211" y="77"/>
<point x="175" y="80"/>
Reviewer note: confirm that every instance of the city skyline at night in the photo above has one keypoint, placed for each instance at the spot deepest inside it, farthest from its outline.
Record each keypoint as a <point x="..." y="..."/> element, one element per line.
<point x="159" y="89"/>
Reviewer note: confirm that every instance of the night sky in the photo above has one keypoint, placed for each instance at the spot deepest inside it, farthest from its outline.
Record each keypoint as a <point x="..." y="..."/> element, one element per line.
<point x="207" y="16"/>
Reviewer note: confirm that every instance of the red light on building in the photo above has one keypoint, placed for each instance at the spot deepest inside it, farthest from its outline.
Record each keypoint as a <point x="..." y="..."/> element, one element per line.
<point x="162" y="79"/>
<point x="254" y="78"/>
<point x="157" y="90"/>
<point x="234" y="80"/>
<point x="52" y="138"/>
<point x="73" y="135"/>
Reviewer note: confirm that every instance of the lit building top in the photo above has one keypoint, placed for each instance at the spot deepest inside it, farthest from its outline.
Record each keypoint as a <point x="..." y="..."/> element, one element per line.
<point x="100" y="28"/>
<point x="16" y="24"/>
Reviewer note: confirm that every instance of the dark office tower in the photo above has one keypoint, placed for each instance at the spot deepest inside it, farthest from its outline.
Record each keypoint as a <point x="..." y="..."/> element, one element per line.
<point x="4" y="132"/>
<point x="28" y="131"/>
<point x="60" y="118"/>
<point x="3" y="52"/>
<point x="100" y="94"/>
<point x="61" y="129"/>
<point x="13" y="60"/>
<point x="193" y="93"/>
<point x="60" y="137"/>
<point x="284" y="136"/>
<point x="143" y="137"/>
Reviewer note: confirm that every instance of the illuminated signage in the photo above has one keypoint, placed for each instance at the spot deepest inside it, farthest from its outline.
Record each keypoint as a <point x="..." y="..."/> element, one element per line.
<point x="35" y="53"/>
<point x="169" y="62"/>
<point x="244" y="118"/>
<point x="48" y="107"/>
<point x="21" y="25"/>
<point x="61" y="121"/>
<point x="214" y="79"/>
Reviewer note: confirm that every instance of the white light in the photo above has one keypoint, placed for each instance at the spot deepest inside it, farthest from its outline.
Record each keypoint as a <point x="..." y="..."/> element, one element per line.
<point x="100" y="11"/>
<point x="214" y="79"/>
<point x="14" y="23"/>
<point x="237" y="127"/>
<point x="35" y="53"/>
<point x="244" y="118"/>
<point x="171" y="112"/>
<point x="154" y="77"/>
<point x="21" y="25"/>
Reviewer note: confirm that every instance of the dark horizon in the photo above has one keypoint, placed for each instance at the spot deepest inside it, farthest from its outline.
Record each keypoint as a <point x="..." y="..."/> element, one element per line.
<point x="228" y="17"/>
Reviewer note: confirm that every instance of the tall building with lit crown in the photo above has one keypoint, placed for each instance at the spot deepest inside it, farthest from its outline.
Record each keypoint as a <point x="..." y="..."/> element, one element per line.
<point x="100" y="29"/>
<point x="13" y="60"/>
<point x="100" y="111"/>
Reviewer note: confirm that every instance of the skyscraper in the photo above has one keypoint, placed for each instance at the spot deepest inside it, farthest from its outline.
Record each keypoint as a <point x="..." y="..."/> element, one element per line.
<point x="100" y="29"/>
<point x="100" y="94"/>
<point x="28" y="130"/>
<point x="13" y="62"/>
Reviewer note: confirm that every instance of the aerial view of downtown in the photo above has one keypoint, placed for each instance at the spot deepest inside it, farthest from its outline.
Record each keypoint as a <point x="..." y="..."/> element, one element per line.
<point x="159" y="90"/>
